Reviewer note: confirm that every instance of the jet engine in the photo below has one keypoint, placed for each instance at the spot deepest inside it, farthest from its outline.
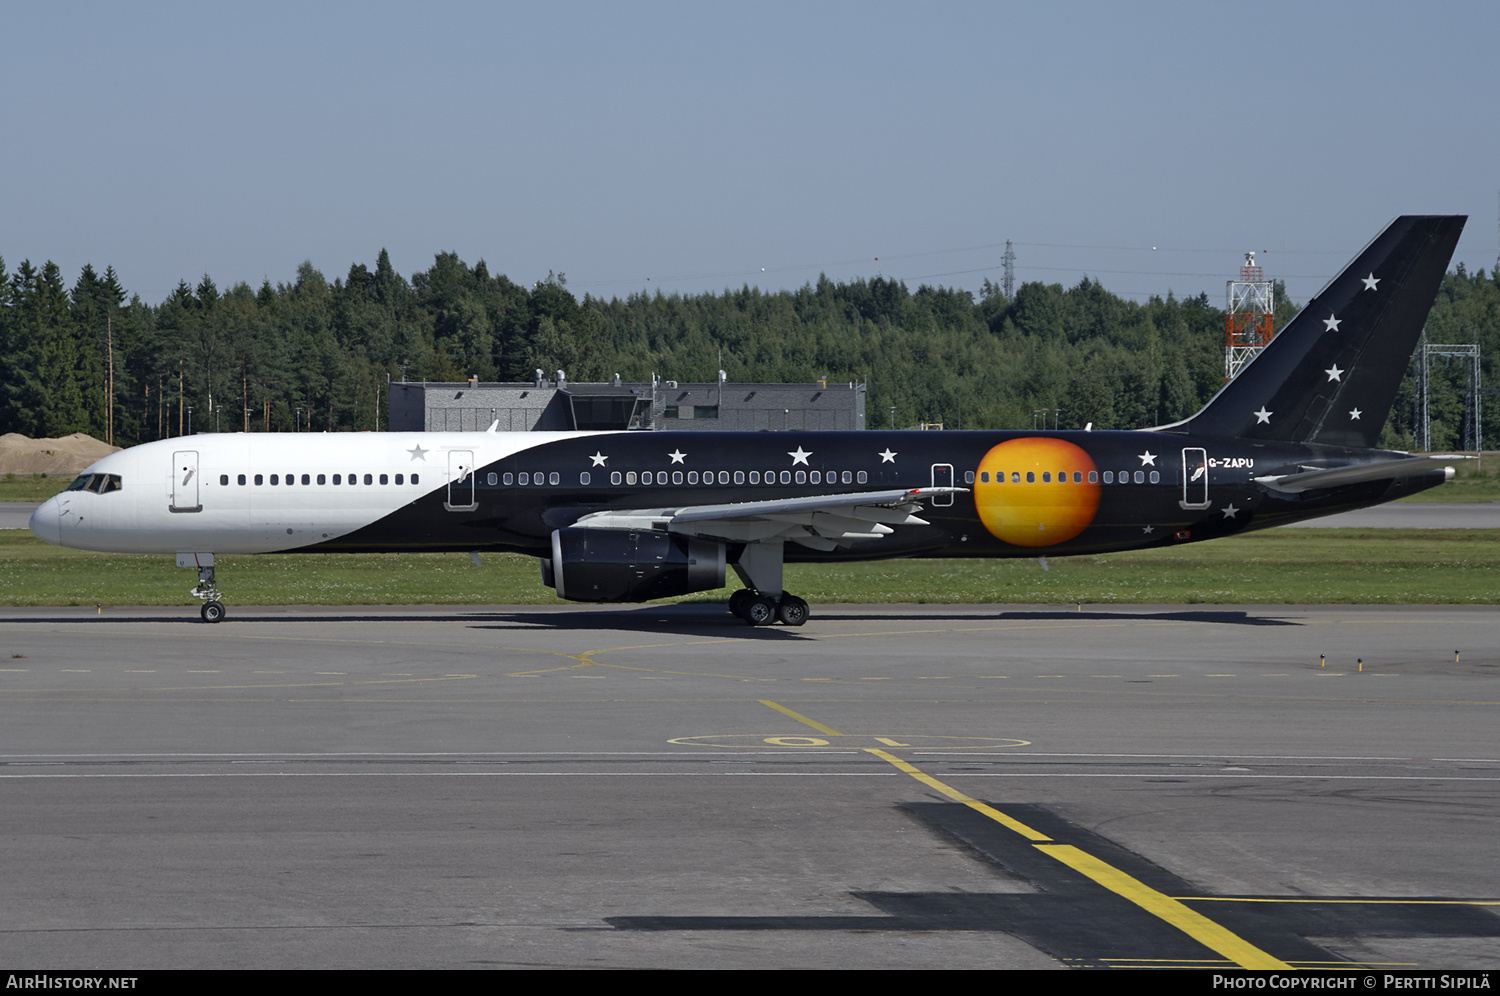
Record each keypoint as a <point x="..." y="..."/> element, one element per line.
<point x="630" y="565"/>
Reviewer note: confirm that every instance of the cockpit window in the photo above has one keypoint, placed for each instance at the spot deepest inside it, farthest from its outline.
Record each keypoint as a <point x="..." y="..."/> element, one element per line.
<point x="100" y="484"/>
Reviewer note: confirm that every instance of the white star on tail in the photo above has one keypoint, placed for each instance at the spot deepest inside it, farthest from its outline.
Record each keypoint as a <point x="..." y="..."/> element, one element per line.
<point x="1334" y="373"/>
<point x="1331" y="324"/>
<point x="1354" y="414"/>
<point x="889" y="456"/>
<point x="677" y="456"/>
<point x="1370" y="281"/>
<point x="1262" y="417"/>
<point x="1148" y="458"/>
<point x="599" y="458"/>
<point x="799" y="455"/>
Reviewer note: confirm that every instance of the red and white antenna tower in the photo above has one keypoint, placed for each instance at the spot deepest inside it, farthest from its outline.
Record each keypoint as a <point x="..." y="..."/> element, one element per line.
<point x="1247" y="322"/>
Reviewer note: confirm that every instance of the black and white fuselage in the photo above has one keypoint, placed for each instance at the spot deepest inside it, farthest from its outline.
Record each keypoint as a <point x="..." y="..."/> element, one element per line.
<point x="628" y="516"/>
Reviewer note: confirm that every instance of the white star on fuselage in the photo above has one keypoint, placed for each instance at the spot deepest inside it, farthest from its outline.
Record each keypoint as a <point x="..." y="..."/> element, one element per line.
<point x="1331" y="324"/>
<point x="1230" y="511"/>
<point x="1354" y="414"/>
<point x="889" y="456"/>
<point x="599" y="458"/>
<point x="1262" y="416"/>
<point x="1148" y="530"/>
<point x="677" y="456"/>
<point x="799" y="455"/>
<point x="417" y="453"/>
<point x="1334" y="373"/>
<point x="1370" y="281"/>
<point x="1148" y="458"/>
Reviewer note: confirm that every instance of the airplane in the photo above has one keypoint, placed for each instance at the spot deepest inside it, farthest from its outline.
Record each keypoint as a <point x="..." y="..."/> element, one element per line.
<point x="629" y="516"/>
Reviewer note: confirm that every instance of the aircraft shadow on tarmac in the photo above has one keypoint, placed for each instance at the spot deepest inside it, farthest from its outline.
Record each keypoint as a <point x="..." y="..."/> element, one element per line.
<point x="692" y="619"/>
<point x="1083" y="924"/>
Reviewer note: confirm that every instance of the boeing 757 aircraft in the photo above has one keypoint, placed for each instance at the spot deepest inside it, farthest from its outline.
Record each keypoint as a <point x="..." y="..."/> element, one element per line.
<point x="632" y="516"/>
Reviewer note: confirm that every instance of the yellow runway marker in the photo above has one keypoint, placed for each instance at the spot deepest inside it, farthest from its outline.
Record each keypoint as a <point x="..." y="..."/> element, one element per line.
<point x="801" y="718"/>
<point x="1197" y="926"/>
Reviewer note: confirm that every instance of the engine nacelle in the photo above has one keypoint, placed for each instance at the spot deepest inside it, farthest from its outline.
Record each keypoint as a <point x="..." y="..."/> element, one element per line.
<point x="631" y="565"/>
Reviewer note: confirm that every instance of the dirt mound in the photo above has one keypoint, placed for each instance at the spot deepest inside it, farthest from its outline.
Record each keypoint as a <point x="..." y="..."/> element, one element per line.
<point x="23" y="455"/>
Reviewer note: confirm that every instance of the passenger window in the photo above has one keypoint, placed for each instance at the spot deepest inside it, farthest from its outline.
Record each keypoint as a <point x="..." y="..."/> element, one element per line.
<point x="491" y="480"/>
<point x="552" y="478"/>
<point x="369" y="479"/>
<point x="1093" y="477"/>
<point x="274" y="479"/>
<point x="1030" y="477"/>
<point x="523" y="478"/>
<point x="723" y="477"/>
<point x="676" y="477"/>
<point x="847" y="478"/>
<point x="386" y="480"/>
<point x="1015" y="477"/>
<point x="969" y="477"/>
<point x="1155" y="477"/>
<point x="306" y="479"/>
<point x="398" y="478"/>
<point x="338" y="478"/>
<point x="815" y="477"/>
<point x="507" y="480"/>
<point x="739" y="477"/>
<point x="223" y="478"/>
<point x="1140" y="477"/>
<point x="259" y="480"/>
<point x="242" y="479"/>
<point x="801" y="477"/>
<point x="583" y="477"/>
<point x="1109" y="477"/>
<point x="322" y="479"/>
<point x="614" y="477"/>
<point x="984" y="477"/>
<point x="1046" y="477"/>
<point x="863" y="477"/>
<point x="629" y="477"/>
<point x="414" y="478"/>
<point x="692" y="477"/>
<point x="786" y="477"/>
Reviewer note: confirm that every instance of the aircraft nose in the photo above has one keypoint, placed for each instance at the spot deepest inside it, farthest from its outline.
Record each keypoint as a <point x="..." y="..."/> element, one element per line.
<point x="44" y="524"/>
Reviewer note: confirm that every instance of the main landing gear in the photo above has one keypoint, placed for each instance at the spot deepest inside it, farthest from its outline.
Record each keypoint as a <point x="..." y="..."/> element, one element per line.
<point x="762" y="610"/>
<point x="762" y="601"/>
<point x="213" y="609"/>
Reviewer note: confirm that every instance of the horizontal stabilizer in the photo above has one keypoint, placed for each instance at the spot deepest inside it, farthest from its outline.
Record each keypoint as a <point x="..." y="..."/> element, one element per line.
<point x="1385" y="470"/>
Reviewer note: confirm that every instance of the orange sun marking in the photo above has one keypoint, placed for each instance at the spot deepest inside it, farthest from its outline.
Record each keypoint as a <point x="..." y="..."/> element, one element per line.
<point x="1048" y="509"/>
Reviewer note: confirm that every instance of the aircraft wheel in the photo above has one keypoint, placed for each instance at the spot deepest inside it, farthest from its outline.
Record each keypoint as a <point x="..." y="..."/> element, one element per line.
<point x="212" y="611"/>
<point x="792" y="611"/>
<point x="738" y="600"/>
<point x="760" y="611"/>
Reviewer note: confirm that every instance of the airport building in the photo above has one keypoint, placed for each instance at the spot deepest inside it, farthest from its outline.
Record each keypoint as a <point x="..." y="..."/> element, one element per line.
<point x="472" y="406"/>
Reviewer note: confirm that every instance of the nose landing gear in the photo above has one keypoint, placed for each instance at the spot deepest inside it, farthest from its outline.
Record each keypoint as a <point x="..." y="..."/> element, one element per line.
<point x="206" y="589"/>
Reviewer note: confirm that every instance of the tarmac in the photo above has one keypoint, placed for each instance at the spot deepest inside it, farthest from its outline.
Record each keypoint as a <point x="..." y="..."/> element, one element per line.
<point x="898" y="786"/>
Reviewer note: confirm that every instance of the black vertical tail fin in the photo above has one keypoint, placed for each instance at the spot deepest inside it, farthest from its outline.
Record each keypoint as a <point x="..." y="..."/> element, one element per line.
<point x="1330" y="376"/>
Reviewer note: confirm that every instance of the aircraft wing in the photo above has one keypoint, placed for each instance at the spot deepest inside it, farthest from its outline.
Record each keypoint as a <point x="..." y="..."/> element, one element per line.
<point x="1384" y="470"/>
<point x="821" y="522"/>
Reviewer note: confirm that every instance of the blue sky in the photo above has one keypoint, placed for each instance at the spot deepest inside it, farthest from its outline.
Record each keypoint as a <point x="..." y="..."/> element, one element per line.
<point x="696" y="146"/>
